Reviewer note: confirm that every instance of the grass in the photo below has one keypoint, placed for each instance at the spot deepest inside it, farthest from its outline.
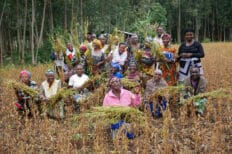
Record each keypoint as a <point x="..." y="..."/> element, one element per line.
<point x="179" y="131"/>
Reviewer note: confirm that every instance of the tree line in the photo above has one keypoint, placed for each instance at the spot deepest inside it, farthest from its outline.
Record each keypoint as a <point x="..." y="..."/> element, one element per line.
<point x="25" y="25"/>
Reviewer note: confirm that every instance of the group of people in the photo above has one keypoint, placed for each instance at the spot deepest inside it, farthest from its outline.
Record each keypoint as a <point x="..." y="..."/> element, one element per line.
<point x="150" y="65"/>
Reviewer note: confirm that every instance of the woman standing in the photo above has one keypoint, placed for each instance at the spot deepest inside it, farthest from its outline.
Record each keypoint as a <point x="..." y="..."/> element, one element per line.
<point x="189" y="54"/>
<point x="168" y="65"/>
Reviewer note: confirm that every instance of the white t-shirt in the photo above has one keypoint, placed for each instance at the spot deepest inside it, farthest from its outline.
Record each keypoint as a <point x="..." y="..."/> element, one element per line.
<point x="158" y="40"/>
<point x="76" y="82"/>
<point x="50" y="91"/>
<point x="69" y="52"/>
<point x="121" y="58"/>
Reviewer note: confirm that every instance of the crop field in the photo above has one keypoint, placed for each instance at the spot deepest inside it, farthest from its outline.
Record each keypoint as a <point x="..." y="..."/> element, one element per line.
<point x="179" y="131"/>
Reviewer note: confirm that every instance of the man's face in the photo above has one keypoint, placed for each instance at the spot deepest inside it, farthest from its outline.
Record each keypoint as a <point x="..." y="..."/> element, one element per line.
<point x="122" y="48"/>
<point x="189" y="36"/>
<point x="159" y="31"/>
<point x="24" y="78"/>
<point x="157" y="76"/>
<point x="89" y="37"/>
<point x="69" y="46"/>
<point x="195" y="73"/>
<point x="79" y="70"/>
<point x="134" y="40"/>
<point x="50" y="78"/>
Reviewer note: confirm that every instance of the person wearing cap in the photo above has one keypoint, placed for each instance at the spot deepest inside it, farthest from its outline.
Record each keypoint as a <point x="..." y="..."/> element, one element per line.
<point x="168" y="65"/>
<point x="23" y="98"/>
<point x="189" y="54"/>
<point x="95" y="58"/>
<point x="158" y="37"/>
<point x="117" y="96"/>
<point x="152" y="85"/>
<point x="49" y="88"/>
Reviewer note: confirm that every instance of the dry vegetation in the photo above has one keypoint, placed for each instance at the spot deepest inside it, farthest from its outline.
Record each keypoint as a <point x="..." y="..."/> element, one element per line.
<point x="179" y="131"/>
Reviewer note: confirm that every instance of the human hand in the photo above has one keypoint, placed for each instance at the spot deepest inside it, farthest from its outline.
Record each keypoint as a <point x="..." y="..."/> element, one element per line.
<point x="186" y="55"/>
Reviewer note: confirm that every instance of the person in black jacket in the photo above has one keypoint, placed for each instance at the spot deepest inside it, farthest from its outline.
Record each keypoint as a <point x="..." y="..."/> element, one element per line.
<point x="189" y="55"/>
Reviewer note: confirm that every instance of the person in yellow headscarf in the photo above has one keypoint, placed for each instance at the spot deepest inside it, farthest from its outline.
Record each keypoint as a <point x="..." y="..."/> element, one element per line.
<point x="96" y="57"/>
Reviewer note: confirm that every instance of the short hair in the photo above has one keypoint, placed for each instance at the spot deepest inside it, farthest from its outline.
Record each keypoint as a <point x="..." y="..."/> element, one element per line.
<point x="122" y="43"/>
<point x="188" y="30"/>
<point x="78" y="65"/>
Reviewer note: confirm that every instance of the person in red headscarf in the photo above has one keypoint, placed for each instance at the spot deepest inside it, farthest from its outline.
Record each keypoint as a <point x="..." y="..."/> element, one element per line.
<point x="23" y="97"/>
<point x="168" y="65"/>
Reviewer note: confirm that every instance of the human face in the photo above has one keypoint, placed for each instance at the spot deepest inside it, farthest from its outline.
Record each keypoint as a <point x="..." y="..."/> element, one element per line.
<point x="195" y="73"/>
<point x="159" y="31"/>
<point x="103" y="41"/>
<point x="50" y="78"/>
<point x="122" y="48"/>
<point x="157" y="76"/>
<point x="165" y="41"/>
<point x="69" y="46"/>
<point x="79" y="70"/>
<point x="132" y="68"/>
<point x="95" y="46"/>
<point x="189" y="36"/>
<point x="24" y="78"/>
<point x="115" y="85"/>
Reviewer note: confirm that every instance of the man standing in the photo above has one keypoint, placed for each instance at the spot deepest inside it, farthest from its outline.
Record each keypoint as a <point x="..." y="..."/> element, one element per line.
<point x="158" y="37"/>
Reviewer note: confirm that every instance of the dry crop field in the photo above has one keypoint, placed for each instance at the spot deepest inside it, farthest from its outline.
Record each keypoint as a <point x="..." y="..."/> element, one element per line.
<point x="179" y="131"/>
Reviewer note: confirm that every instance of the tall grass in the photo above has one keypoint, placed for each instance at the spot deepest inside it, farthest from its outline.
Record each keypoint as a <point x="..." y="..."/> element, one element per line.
<point x="179" y="131"/>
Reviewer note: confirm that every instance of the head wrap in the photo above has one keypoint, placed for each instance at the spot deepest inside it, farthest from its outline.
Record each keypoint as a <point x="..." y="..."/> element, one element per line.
<point x="98" y="43"/>
<point x="166" y="35"/>
<point x="102" y="36"/>
<point x="188" y="30"/>
<point x="24" y="72"/>
<point x="49" y="72"/>
<point x="116" y="65"/>
<point x="158" y="71"/>
<point x="134" y="36"/>
<point x="114" y="79"/>
<point x="83" y="47"/>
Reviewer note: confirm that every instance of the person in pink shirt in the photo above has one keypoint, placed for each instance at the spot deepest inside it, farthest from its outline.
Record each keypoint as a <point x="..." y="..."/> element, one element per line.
<point x="118" y="96"/>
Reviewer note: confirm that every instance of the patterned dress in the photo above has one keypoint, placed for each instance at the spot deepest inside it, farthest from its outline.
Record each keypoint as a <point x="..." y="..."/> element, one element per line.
<point x="168" y="66"/>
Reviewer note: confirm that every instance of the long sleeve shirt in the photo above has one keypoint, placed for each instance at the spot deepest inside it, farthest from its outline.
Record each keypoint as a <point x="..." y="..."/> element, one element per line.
<point x="196" y="49"/>
<point x="126" y="98"/>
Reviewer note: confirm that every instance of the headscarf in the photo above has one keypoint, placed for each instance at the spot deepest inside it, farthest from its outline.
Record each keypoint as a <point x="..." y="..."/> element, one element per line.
<point x="83" y="48"/>
<point x="116" y="65"/>
<point x="166" y="35"/>
<point x="49" y="72"/>
<point x="25" y="72"/>
<point x="98" y="42"/>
